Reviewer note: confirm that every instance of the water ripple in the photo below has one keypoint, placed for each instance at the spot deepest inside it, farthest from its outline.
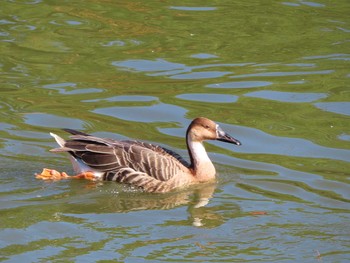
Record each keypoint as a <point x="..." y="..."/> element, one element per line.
<point x="336" y="107"/>
<point x="240" y="84"/>
<point x="286" y="96"/>
<point x="155" y="113"/>
<point x="284" y="74"/>
<point x="201" y="75"/>
<point x="49" y="120"/>
<point x="203" y="56"/>
<point x="125" y="98"/>
<point x="206" y="97"/>
<point x="188" y="8"/>
<point x="69" y="88"/>
<point x="257" y="141"/>
<point x="161" y="67"/>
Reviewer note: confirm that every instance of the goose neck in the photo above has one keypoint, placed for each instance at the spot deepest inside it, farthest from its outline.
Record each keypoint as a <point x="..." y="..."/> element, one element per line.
<point x="201" y="164"/>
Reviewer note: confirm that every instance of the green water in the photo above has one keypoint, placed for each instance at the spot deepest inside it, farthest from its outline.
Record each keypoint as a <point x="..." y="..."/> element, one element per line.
<point x="274" y="74"/>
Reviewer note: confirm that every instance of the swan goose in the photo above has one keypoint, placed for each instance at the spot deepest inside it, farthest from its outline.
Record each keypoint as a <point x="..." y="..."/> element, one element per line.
<point x="143" y="165"/>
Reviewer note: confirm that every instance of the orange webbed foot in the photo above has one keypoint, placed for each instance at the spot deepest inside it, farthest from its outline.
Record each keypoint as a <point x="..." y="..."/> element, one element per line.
<point x="50" y="174"/>
<point x="85" y="175"/>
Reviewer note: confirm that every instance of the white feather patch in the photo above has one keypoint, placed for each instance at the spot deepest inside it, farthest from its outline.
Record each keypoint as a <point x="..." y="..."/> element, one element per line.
<point x="198" y="151"/>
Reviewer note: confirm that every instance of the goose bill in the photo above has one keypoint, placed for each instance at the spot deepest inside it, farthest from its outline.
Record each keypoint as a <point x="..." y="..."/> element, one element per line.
<point x="224" y="137"/>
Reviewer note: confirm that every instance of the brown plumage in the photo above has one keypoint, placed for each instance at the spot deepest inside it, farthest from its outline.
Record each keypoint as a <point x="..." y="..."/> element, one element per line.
<point x="150" y="167"/>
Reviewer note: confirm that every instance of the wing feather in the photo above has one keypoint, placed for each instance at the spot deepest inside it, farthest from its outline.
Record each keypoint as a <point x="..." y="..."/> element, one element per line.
<point x="111" y="155"/>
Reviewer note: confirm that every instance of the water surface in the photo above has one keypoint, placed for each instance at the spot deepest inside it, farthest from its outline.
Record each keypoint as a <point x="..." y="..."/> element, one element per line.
<point x="274" y="74"/>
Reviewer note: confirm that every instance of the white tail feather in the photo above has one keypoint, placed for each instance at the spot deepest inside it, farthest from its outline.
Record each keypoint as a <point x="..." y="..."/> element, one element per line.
<point x="58" y="139"/>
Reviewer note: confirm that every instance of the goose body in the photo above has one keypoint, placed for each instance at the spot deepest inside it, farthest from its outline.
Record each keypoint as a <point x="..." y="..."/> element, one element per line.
<point x="148" y="166"/>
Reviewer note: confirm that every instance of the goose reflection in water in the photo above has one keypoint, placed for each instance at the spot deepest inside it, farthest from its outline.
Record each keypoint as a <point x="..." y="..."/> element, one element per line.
<point x="106" y="198"/>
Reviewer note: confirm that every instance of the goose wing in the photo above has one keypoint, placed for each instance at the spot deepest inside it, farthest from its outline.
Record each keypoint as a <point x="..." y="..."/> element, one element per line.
<point x="110" y="155"/>
<point x="160" y="150"/>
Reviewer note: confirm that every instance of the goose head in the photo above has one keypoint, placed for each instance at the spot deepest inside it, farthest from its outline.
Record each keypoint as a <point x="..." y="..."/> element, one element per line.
<point x="202" y="129"/>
